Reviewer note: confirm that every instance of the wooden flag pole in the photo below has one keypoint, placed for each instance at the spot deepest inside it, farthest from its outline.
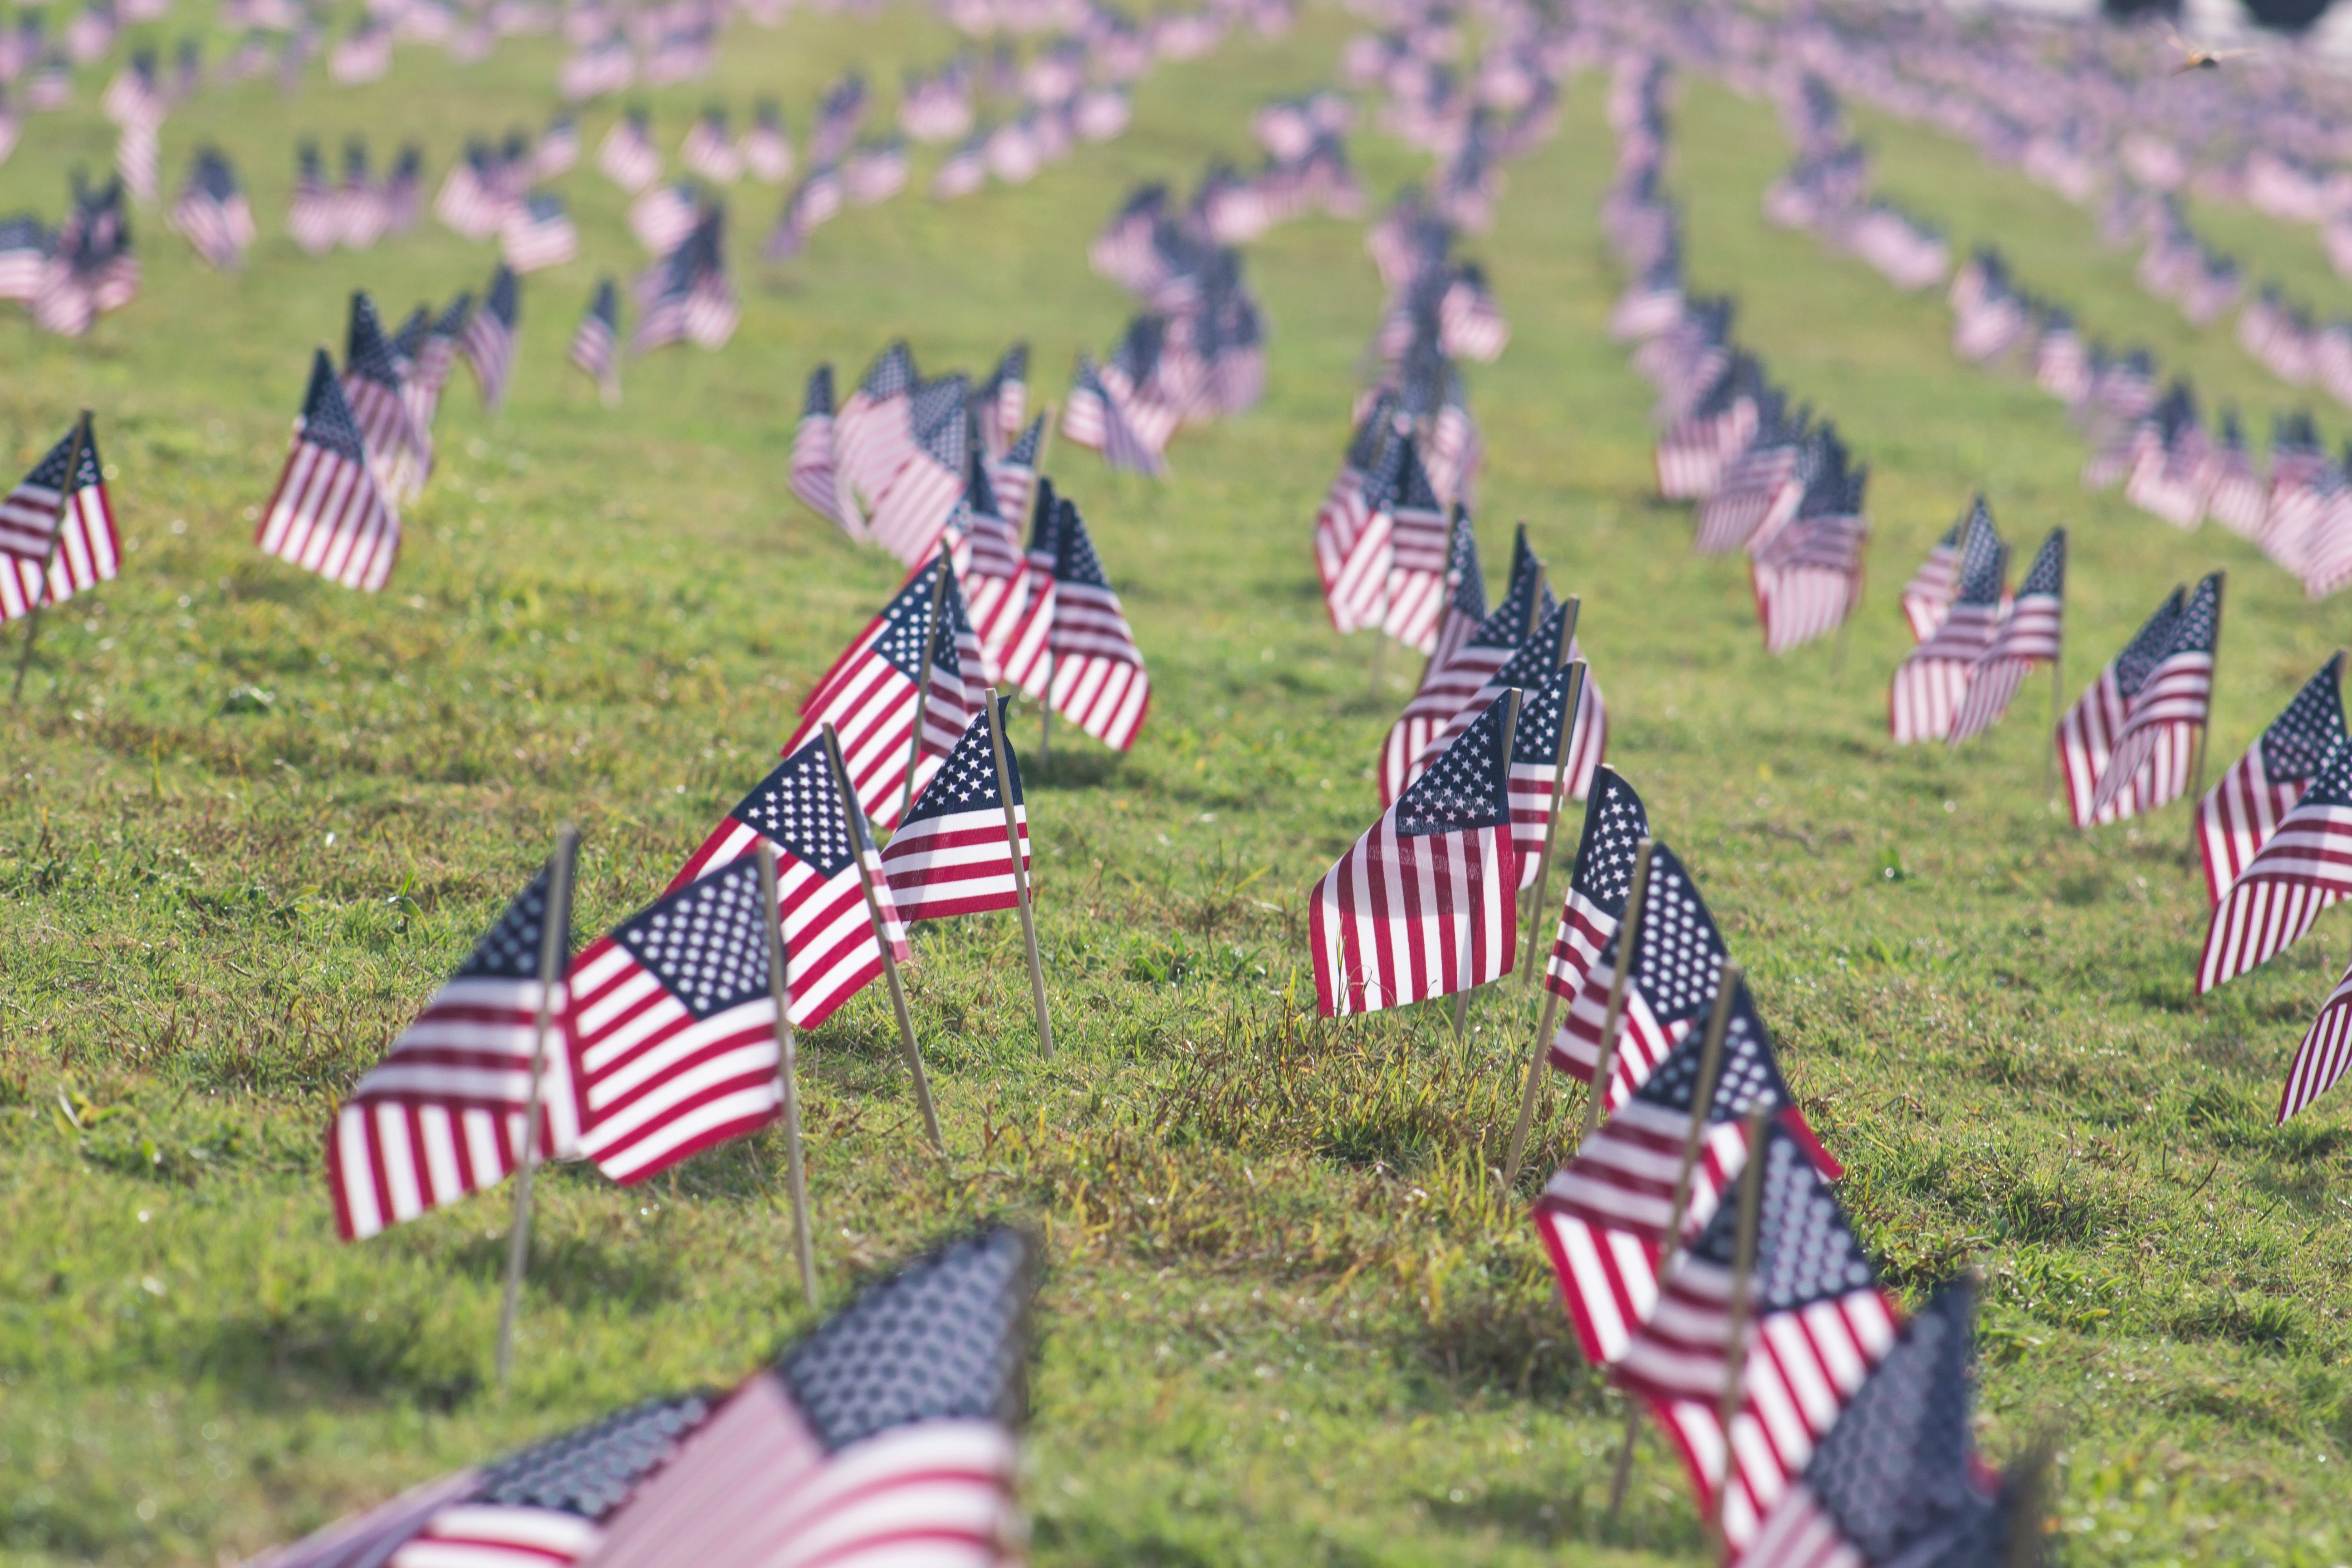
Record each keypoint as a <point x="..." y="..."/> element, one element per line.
<point x="1560" y="751"/>
<point x="554" y="953"/>
<point x="65" y="499"/>
<point x="923" y="683"/>
<point x="1743" y="1302"/>
<point x="1510" y="727"/>
<point x="1021" y="889"/>
<point x="856" y="829"/>
<point x="2029" y="1509"/>
<point x="787" y="1059"/>
<point x="1710" y="1062"/>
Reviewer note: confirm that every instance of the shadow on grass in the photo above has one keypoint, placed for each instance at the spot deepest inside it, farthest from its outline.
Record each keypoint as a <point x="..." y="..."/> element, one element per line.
<point x="294" y="1358"/>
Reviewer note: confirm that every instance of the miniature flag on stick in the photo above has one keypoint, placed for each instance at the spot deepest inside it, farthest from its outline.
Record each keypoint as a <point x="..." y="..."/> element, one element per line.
<point x="2238" y="817"/>
<point x="328" y="515"/>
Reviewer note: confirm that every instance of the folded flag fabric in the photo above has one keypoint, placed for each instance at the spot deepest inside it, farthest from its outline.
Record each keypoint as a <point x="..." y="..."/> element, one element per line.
<point x="1446" y="690"/>
<point x="2305" y="867"/>
<point x="2086" y="731"/>
<point x="2151" y="757"/>
<point x="950" y="856"/>
<point x="1615" y="822"/>
<point x="327" y="514"/>
<point x="2033" y="632"/>
<point x="1932" y="679"/>
<point x="1677" y="962"/>
<point x="2239" y="814"/>
<point x="57" y="534"/>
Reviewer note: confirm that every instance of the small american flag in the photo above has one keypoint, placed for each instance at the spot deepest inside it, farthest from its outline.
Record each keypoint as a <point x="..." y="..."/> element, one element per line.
<point x="674" y="1025"/>
<point x="1599" y="883"/>
<point x="1424" y="904"/>
<point x="829" y="942"/>
<point x="627" y="154"/>
<point x="489" y="338"/>
<point x="1604" y="1215"/>
<point x="1934" y="677"/>
<point x="1758" y="489"/>
<point x="1677" y="966"/>
<point x="872" y="433"/>
<point x="2086" y="733"/>
<point x="595" y="346"/>
<point x="1420" y="539"/>
<point x="1819" y="1322"/>
<point x="1465" y="584"/>
<point x="328" y="516"/>
<point x="2304" y="867"/>
<point x="1003" y="400"/>
<point x="1094" y="418"/>
<point x="39" y="510"/>
<point x="883" y="1438"/>
<point x="1807" y="575"/>
<point x="442" y="1115"/>
<point x="212" y="212"/>
<point x="1536" y="668"/>
<point x="430" y="372"/>
<point x="1351" y="530"/>
<point x="538" y="233"/>
<point x="1897" y="1480"/>
<point x="2238" y="817"/>
<point x="950" y="856"/>
<point x="914" y="506"/>
<point x="869" y="695"/>
<point x="767" y="152"/>
<point x="815" y="472"/>
<point x="709" y="151"/>
<point x="1013" y="473"/>
<point x="2033" y="631"/>
<point x="310" y="216"/>
<point x="2149" y="763"/>
<point x="997" y="587"/>
<point x="1446" y="690"/>
<point x="1099" y="683"/>
<point x="398" y="454"/>
<point x="1928" y="595"/>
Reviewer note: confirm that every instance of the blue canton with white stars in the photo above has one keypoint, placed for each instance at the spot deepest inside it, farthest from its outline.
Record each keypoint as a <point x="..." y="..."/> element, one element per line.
<point x="1806" y="1250"/>
<point x="1984" y="559"/>
<point x="1680" y="954"/>
<point x="1614" y="823"/>
<point x="1749" y="1074"/>
<point x="967" y="780"/>
<point x="2047" y="575"/>
<point x="510" y="950"/>
<point x="592" y="1470"/>
<point x="326" y="418"/>
<point x="798" y="808"/>
<point x="2148" y="645"/>
<point x="1896" y="1466"/>
<point x="2298" y="738"/>
<point x="707" y="942"/>
<point x="1463" y="789"/>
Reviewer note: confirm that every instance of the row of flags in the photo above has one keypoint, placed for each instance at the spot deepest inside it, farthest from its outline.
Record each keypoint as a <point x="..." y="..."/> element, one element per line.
<point x="86" y="267"/>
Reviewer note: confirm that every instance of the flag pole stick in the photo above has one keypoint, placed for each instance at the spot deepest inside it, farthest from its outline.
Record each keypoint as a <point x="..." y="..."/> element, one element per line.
<point x="1743" y="1286"/>
<point x="858" y="842"/>
<point x="68" y="495"/>
<point x="1710" y="1063"/>
<point x="787" y="1059"/>
<point x="554" y="952"/>
<point x="1561" y="748"/>
<point x="1510" y="726"/>
<point x="923" y="683"/>
<point x="1022" y="891"/>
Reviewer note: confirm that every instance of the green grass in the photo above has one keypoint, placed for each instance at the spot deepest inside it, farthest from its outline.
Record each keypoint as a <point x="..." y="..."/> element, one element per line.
<point x="1288" y="1319"/>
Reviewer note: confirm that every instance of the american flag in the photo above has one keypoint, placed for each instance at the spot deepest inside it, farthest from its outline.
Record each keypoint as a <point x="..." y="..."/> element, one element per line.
<point x="359" y="209"/>
<point x="2304" y="867"/>
<point x="712" y="311"/>
<point x="442" y="1115"/>
<point x="815" y="472"/>
<point x="310" y="218"/>
<point x="428" y="372"/>
<point x="884" y="1438"/>
<point x="1928" y="595"/>
<point x="912" y="509"/>
<point x="1599" y="883"/>
<point x="87" y="551"/>
<point x="869" y="695"/>
<point x="950" y="857"/>
<point x="2236" y="817"/>
<point x="1470" y="325"/>
<point x="213" y="214"/>
<point x="1897" y="1480"/>
<point x="674" y="1022"/>
<point x="469" y="202"/>
<point x="1818" y="1323"/>
<point x="1352" y="528"/>
<point x="1003" y="400"/>
<point x="1013" y="474"/>
<point x="399" y="455"/>
<point x="544" y="1508"/>
<point x="709" y="151"/>
<point x="1932" y="679"/>
<point x="538" y="233"/>
<point x="1536" y="667"/>
<point x="2149" y="763"/>
<point x="767" y="151"/>
<point x="998" y="581"/>
<point x="1604" y="1216"/>
<point x="1094" y="418"/>
<point x="596" y="345"/>
<point x="2034" y="630"/>
<point x="559" y="146"/>
<point x="872" y="434"/>
<point x="24" y="246"/>
<point x="2323" y="1055"/>
<point x="1446" y="690"/>
<point x="627" y="154"/>
<point x="1424" y="904"/>
<point x="2086" y="732"/>
<point x="1466" y="590"/>
<point x="489" y="338"/>
<point x="328" y="516"/>
<point x="1807" y="575"/>
<point x="1537" y="755"/>
<point x="1677" y="965"/>
<point x="1099" y="683"/>
<point x="1758" y="490"/>
<point x="1420" y="542"/>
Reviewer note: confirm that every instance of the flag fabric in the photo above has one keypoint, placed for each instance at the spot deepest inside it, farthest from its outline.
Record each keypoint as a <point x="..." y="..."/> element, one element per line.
<point x="1603" y="1216"/>
<point x="674" y="1025"/>
<point x="489" y="338"/>
<point x="1013" y="473"/>
<point x="1094" y="418"/>
<point x="815" y="472"/>
<point x="327" y="514"/>
<point x="2237" y="816"/>
<point x="2148" y="765"/>
<point x="996" y="576"/>
<point x="538" y="233"/>
<point x="1807" y="575"/>
<point x="883" y="1438"/>
<point x="443" y="1114"/>
<point x="1897" y="1480"/>
<point x="1446" y="690"/>
<point x="1599" y="882"/>
<point x="1928" y="595"/>
<point x="1465" y="596"/>
<point x="869" y="695"/>
<point x="1099" y="683"/>
<point x="950" y="856"/>
<point x="2304" y="867"/>
<point x="1424" y="904"/>
<point x="2325" y="1051"/>
<point x="1818" y="1323"/>
<point x="1676" y="972"/>
<point x="429" y="372"/>
<point x="1421" y="539"/>
<point x="830" y="952"/>
<point x="595" y="345"/>
<point x="872" y="433"/>
<point x="627" y="154"/>
<point x="2086" y="737"/>
<point x="1934" y="677"/>
<point x="1533" y="666"/>
<point x="1351" y="528"/>
<point x="914" y="507"/>
<point x="2034" y="631"/>
<point x="1536" y="754"/>
<point x="1027" y="656"/>
<point x="34" y="513"/>
<point x="212" y="212"/>
<point x="87" y="551"/>
<point x="1003" y="400"/>
<point x="398" y="454"/>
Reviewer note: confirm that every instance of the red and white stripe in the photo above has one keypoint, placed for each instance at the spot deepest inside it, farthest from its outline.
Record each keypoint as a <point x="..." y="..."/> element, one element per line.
<point x="1927" y="597"/>
<point x="1643" y="1040"/>
<point x="1533" y="803"/>
<point x="1354" y="553"/>
<point x="1807" y="578"/>
<point x="398" y="454"/>
<point x="1416" y="591"/>
<point x="872" y="708"/>
<point x="915" y="507"/>
<point x="1692" y="454"/>
<point x="2305" y="867"/>
<point x="442" y="1115"/>
<point x="2236" y="817"/>
<point x="2033" y="632"/>
<point x="1758" y="491"/>
<point x="328" y="516"/>
<point x="2326" y="1051"/>
<point x="753" y="1488"/>
<point x="2149" y="763"/>
<point x="499" y="1535"/>
<point x="830" y="952"/>
<point x="1934" y="677"/>
<point x="88" y="553"/>
<point x="1099" y="682"/>
<point x="995" y="590"/>
<point x="955" y="865"/>
<point x="815" y="477"/>
<point x="2086" y="739"/>
<point x="872" y="440"/>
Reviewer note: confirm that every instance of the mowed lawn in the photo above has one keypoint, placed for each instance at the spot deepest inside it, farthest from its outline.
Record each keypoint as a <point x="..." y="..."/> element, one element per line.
<point x="249" y="821"/>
